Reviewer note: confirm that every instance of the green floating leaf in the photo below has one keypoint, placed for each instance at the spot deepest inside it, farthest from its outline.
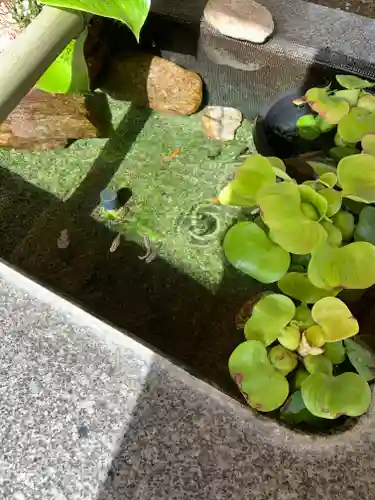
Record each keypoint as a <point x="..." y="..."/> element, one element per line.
<point x="356" y="176"/>
<point x="346" y="223"/>
<point x="300" y="375"/>
<point x="270" y="316"/>
<point x="322" y="125"/>
<point x="322" y="168"/>
<point x="332" y="110"/>
<point x="290" y="337"/>
<point x="303" y="316"/>
<point x="365" y="230"/>
<point x="282" y="359"/>
<point x="330" y="397"/>
<point x="299" y="287"/>
<point x="340" y="152"/>
<point x="254" y="173"/>
<point x="335" y="319"/>
<point x="334" y="237"/>
<point x="340" y="142"/>
<point x="133" y="13"/>
<point x="311" y="197"/>
<point x="356" y="125"/>
<point x="281" y="210"/>
<point x="353" y="82"/>
<point x="315" y="336"/>
<point x="307" y="128"/>
<point x="368" y="144"/>
<point x="335" y="352"/>
<point x="250" y="250"/>
<point x="264" y="388"/>
<point x="361" y="357"/>
<point x="329" y="179"/>
<point x="351" y="266"/>
<point x="333" y="198"/>
<point x="367" y="102"/>
<point x="279" y="168"/>
<point x="294" y="411"/>
<point x="350" y="96"/>
<point x="68" y="74"/>
<point x="318" y="364"/>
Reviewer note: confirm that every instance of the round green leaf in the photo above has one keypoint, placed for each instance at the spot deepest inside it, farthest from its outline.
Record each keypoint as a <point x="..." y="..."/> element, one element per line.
<point x="333" y="198"/>
<point x="299" y="287"/>
<point x="280" y="206"/>
<point x="254" y="173"/>
<point x="329" y="179"/>
<point x="356" y="125"/>
<point x="356" y="175"/>
<point x="250" y="250"/>
<point x="270" y="316"/>
<point x="346" y="223"/>
<point x="307" y="128"/>
<point x="310" y="196"/>
<point x="351" y="266"/>
<point x="264" y="388"/>
<point x="318" y="364"/>
<point x="368" y="143"/>
<point x="335" y="352"/>
<point x="332" y="110"/>
<point x="334" y="237"/>
<point x="335" y="319"/>
<point x="353" y="82"/>
<point x="322" y="125"/>
<point x="350" y="96"/>
<point x="282" y="359"/>
<point x="315" y="336"/>
<point x="290" y="337"/>
<point x="365" y="230"/>
<point x="361" y="357"/>
<point x="331" y="397"/>
<point x="367" y="102"/>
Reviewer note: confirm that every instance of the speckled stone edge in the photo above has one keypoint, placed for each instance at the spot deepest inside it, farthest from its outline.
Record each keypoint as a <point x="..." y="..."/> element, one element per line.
<point x="269" y="430"/>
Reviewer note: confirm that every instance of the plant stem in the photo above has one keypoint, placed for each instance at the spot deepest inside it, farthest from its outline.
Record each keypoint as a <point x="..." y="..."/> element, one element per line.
<point x="33" y="51"/>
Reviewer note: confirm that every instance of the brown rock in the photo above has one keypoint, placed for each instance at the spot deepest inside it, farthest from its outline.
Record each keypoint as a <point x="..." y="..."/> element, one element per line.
<point x="150" y="81"/>
<point x="241" y="19"/>
<point x="45" y="121"/>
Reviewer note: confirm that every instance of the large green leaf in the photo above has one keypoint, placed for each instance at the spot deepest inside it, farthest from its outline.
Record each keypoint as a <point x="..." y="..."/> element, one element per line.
<point x="331" y="397"/>
<point x="356" y="175"/>
<point x="332" y="110"/>
<point x="283" y="359"/>
<point x="351" y="266"/>
<point x="365" y="229"/>
<point x="335" y="319"/>
<point x="264" y="387"/>
<point x="367" y="102"/>
<point x="356" y="125"/>
<point x="361" y="357"/>
<point x="368" y="143"/>
<point x="270" y="316"/>
<point x="290" y="337"/>
<point x="353" y="82"/>
<point x="131" y="12"/>
<point x="298" y="286"/>
<point x="350" y="96"/>
<point x="318" y="364"/>
<point x="68" y="73"/>
<point x="249" y="249"/>
<point x="290" y="227"/>
<point x="254" y="173"/>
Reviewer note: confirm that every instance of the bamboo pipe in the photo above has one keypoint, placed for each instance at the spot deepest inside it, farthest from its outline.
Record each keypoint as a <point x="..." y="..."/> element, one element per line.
<point x="32" y="52"/>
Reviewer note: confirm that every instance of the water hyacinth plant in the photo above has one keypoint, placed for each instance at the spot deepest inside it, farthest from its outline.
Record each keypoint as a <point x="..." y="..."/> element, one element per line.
<point x="301" y="356"/>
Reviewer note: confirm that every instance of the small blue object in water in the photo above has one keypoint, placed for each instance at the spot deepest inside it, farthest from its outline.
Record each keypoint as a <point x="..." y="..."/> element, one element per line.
<point x="108" y="197"/>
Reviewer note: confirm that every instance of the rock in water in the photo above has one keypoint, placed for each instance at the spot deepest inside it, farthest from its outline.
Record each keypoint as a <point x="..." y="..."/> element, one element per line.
<point x="46" y="121"/>
<point x="150" y="81"/>
<point x="221" y="123"/>
<point x="241" y="19"/>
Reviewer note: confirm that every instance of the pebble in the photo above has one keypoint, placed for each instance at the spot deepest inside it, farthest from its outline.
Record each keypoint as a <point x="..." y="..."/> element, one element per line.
<point x="221" y="123"/>
<point x="240" y="19"/>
